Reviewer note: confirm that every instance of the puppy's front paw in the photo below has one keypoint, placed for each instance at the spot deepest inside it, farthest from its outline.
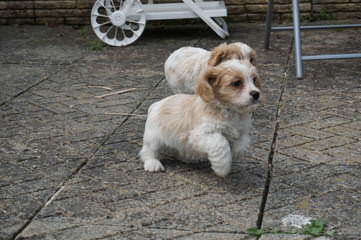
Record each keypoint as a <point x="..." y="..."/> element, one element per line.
<point x="153" y="165"/>
<point x="223" y="170"/>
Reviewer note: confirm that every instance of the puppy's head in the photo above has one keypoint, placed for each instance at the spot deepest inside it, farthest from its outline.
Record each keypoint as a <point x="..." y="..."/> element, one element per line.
<point x="233" y="84"/>
<point x="236" y="50"/>
<point x="246" y="52"/>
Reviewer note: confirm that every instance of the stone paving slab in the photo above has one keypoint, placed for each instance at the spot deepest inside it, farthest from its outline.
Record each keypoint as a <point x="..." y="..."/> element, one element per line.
<point x="69" y="164"/>
<point x="317" y="168"/>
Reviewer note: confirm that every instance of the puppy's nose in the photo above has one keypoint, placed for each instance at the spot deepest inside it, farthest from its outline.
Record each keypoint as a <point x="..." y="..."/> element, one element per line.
<point x="254" y="94"/>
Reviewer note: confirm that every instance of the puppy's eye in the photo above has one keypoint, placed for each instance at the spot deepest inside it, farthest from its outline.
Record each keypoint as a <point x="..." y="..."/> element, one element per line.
<point x="237" y="83"/>
<point x="254" y="80"/>
<point x="251" y="60"/>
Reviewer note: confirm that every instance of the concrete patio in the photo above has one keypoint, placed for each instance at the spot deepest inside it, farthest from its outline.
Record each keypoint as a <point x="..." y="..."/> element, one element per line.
<point x="68" y="156"/>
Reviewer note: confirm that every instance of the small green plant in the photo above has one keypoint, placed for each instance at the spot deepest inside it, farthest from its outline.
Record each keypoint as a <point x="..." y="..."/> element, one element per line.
<point x="83" y="31"/>
<point x="324" y="15"/>
<point x="96" y="45"/>
<point x="316" y="228"/>
<point x="256" y="232"/>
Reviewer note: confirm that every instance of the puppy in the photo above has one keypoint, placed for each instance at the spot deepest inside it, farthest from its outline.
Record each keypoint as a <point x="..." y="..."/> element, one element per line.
<point x="214" y="124"/>
<point x="184" y="66"/>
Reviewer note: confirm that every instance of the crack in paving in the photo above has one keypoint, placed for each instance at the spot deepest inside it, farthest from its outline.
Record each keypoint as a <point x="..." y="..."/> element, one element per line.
<point x="25" y="90"/>
<point x="44" y="79"/>
<point x="62" y="185"/>
<point x="274" y="141"/>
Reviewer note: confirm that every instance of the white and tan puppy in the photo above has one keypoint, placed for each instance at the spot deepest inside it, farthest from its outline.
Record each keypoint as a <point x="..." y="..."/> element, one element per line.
<point x="213" y="124"/>
<point x="185" y="65"/>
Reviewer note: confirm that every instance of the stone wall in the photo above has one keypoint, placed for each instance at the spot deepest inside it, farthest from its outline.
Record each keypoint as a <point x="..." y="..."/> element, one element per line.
<point x="54" y="12"/>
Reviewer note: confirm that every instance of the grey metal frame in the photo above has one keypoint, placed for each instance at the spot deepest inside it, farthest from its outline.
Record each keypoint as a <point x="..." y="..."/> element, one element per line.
<point x="297" y="37"/>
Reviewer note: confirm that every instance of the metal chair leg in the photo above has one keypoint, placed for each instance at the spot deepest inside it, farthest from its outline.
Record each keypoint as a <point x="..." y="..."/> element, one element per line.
<point x="268" y="24"/>
<point x="297" y="37"/>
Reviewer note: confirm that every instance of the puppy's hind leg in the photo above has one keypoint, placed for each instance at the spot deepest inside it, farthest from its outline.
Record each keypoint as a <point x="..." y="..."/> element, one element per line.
<point x="148" y="155"/>
<point x="151" y="141"/>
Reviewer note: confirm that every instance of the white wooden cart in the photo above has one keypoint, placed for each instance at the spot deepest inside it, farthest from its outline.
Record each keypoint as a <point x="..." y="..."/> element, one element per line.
<point x="121" y="22"/>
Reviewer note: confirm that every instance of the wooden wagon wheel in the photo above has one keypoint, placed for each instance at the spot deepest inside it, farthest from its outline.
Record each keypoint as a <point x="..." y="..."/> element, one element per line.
<point x="118" y="22"/>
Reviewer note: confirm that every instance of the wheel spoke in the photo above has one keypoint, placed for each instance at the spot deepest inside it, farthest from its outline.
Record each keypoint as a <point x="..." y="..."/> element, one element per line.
<point x="125" y="38"/>
<point x="108" y="8"/>
<point x="99" y="15"/>
<point x="134" y="32"/>
<point x="103" y="5"/>
<point x="113" y="5"/>
<point x="101" y="24"/>
<point x="126" y="27"/>
<point x="126" y="8"/>
<point x="105" y="35"/>
<point x="134" y="21"/>
<point x="115" y="36"/>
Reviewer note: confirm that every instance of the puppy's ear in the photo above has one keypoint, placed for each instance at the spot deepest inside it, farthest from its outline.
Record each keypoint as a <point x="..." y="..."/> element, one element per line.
<point x="205" y="87"/>
<point x="217" y="55"/>
<point x="257" y="81"/>
<point x="252" y="58"/>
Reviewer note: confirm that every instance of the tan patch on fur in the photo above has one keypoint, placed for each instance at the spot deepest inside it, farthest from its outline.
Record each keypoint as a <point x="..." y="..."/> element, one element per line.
<point x="252" y="58"/>
<point x="223" y="53"/>
<point x="178" y="117"/>
<point x="258" y="82"/>
<point x="182" y="113"/>
<point x="216" y="83"/>
<point x="224" y="90"/>
<point x="205" y="84"/>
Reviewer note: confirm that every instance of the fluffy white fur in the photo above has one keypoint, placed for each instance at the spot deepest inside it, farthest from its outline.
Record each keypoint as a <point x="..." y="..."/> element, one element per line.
<point x="213" y="125"/>
<point x="184" y="66"/>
